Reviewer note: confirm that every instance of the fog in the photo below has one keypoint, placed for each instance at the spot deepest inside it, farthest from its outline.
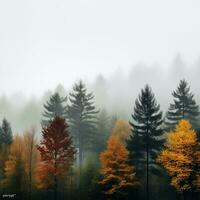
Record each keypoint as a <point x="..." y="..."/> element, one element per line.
<point x="116" y="93"/>
<point x="115" y="47"/>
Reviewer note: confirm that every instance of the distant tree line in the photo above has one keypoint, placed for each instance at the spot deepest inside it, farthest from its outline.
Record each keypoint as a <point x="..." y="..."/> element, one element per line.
<point x="85" y="153"/>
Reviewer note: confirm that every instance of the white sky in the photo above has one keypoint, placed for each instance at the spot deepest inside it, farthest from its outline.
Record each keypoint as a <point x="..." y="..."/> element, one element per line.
<point x="46" y="42"/>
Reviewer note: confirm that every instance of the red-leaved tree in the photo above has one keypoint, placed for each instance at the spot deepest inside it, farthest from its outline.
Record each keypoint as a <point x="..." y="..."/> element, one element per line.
<point x="56" y="152"/>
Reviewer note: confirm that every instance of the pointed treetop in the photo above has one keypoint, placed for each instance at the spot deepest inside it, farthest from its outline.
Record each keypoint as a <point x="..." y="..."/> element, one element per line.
<point x="6" y="132"/>
<point x="183" y="107"/>
<point x="55" y="107"/>
<point x="183" y="125"/>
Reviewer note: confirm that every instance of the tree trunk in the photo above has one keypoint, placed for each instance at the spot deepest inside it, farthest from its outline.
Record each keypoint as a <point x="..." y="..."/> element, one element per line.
<point x="55" y="187"/>
<point x="147" y="171"/>
<point x="30" y="169"/>
<point x="147" y="165"/>
<point x="55" y="178"/>
<point x="183" y="111"/>
<point x="80" y="164"/>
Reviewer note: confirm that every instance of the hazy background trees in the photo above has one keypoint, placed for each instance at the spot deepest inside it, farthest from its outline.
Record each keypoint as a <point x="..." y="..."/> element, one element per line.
<point x="115" y="93"/>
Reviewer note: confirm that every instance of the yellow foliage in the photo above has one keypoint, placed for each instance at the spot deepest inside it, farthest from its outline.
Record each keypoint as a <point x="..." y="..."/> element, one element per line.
<point x="14" y="163"/>
<point x="115" y="170"/>
<point x="15" y="152"/>
<point x="122" y="130"/>
<point x="23" y="154"/>
<point x="30" y="153"/>
<point x="178" y="156"/>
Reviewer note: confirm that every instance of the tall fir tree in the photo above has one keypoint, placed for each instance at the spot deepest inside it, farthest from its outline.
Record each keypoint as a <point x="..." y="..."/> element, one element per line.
<point x="55" y="107"/>
<point x="6" y="135"/>
<point x="81" y="114"/>
<point x="104" y="126"/>
<point x="183" y="107"/>
<point x="146" y="139"/>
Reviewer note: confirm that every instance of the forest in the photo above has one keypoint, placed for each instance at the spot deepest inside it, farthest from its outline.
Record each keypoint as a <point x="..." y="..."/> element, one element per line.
<point x="81" y="152"/>
<point x="99" y="100"/>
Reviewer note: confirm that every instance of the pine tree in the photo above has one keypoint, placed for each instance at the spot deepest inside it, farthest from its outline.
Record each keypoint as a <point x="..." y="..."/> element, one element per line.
<point x="146" y="139"/>
<point x="6" y="135"/>
<point x="55" y="107"/>
<point x="183" y="107"/>
<point x="117" y="175"/>
<point x="81" y="114"/>
<point x="180" y="158"/>
<point x="103" y="130"/>
<point x="57" y="154"/>
<point x="89" y="171"/>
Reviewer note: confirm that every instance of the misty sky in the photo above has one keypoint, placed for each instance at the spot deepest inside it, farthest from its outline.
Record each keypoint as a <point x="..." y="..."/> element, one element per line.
<point x="46" y="42"/>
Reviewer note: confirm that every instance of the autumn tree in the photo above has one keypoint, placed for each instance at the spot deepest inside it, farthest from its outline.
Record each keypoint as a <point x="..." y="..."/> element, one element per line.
<point x="15" y="180"/>
<point x="146" y="138"/>
<point x="180" y="158"/>
<point x="4" y="151"/>
<point x="117" y="175"/>
<point x="30" y="157"/>
<point x="6" y="138"/>
<point x="56" y="152"/>
<point x="55" y="107"/>
<point x="81" y="115"/>
<point x="122" y="130"/>
<point x="183" y="107"/>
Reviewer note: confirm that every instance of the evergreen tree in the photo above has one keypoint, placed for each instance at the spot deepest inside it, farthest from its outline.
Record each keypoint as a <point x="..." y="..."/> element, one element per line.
<point x="146" y="139"/>
<point x="103" y="129"/>
<point x="89" y="171"/>
<point x="183" y="107"/>
<point x="81" y="114"/>
<point x="55" y="107"/>
<point x="6" y="135"/>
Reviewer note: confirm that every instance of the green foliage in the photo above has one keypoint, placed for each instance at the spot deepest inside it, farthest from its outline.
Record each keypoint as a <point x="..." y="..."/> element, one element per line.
<point x="89" y="173"/>
<point x="6" y="135"/>
<point x="146" y="139"/>
<point x="183" y="107"/>
<point x="103" y="130"/>
<point x="81" y="115"/>
<point x="55" y="107"/>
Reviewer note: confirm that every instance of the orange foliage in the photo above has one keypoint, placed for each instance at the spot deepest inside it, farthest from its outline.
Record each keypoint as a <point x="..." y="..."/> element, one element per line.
<point x="122" y="130"/>
<point x="116" y="173"/>
<point x="56" y="153"/>
<point x="43" y="176"/>
<point x="21" y="161"/>
<point x="15" y="152"/>
<point x="178" y="157"/>
<point x="14" y="166"/>
<point x="30" y="156"/>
